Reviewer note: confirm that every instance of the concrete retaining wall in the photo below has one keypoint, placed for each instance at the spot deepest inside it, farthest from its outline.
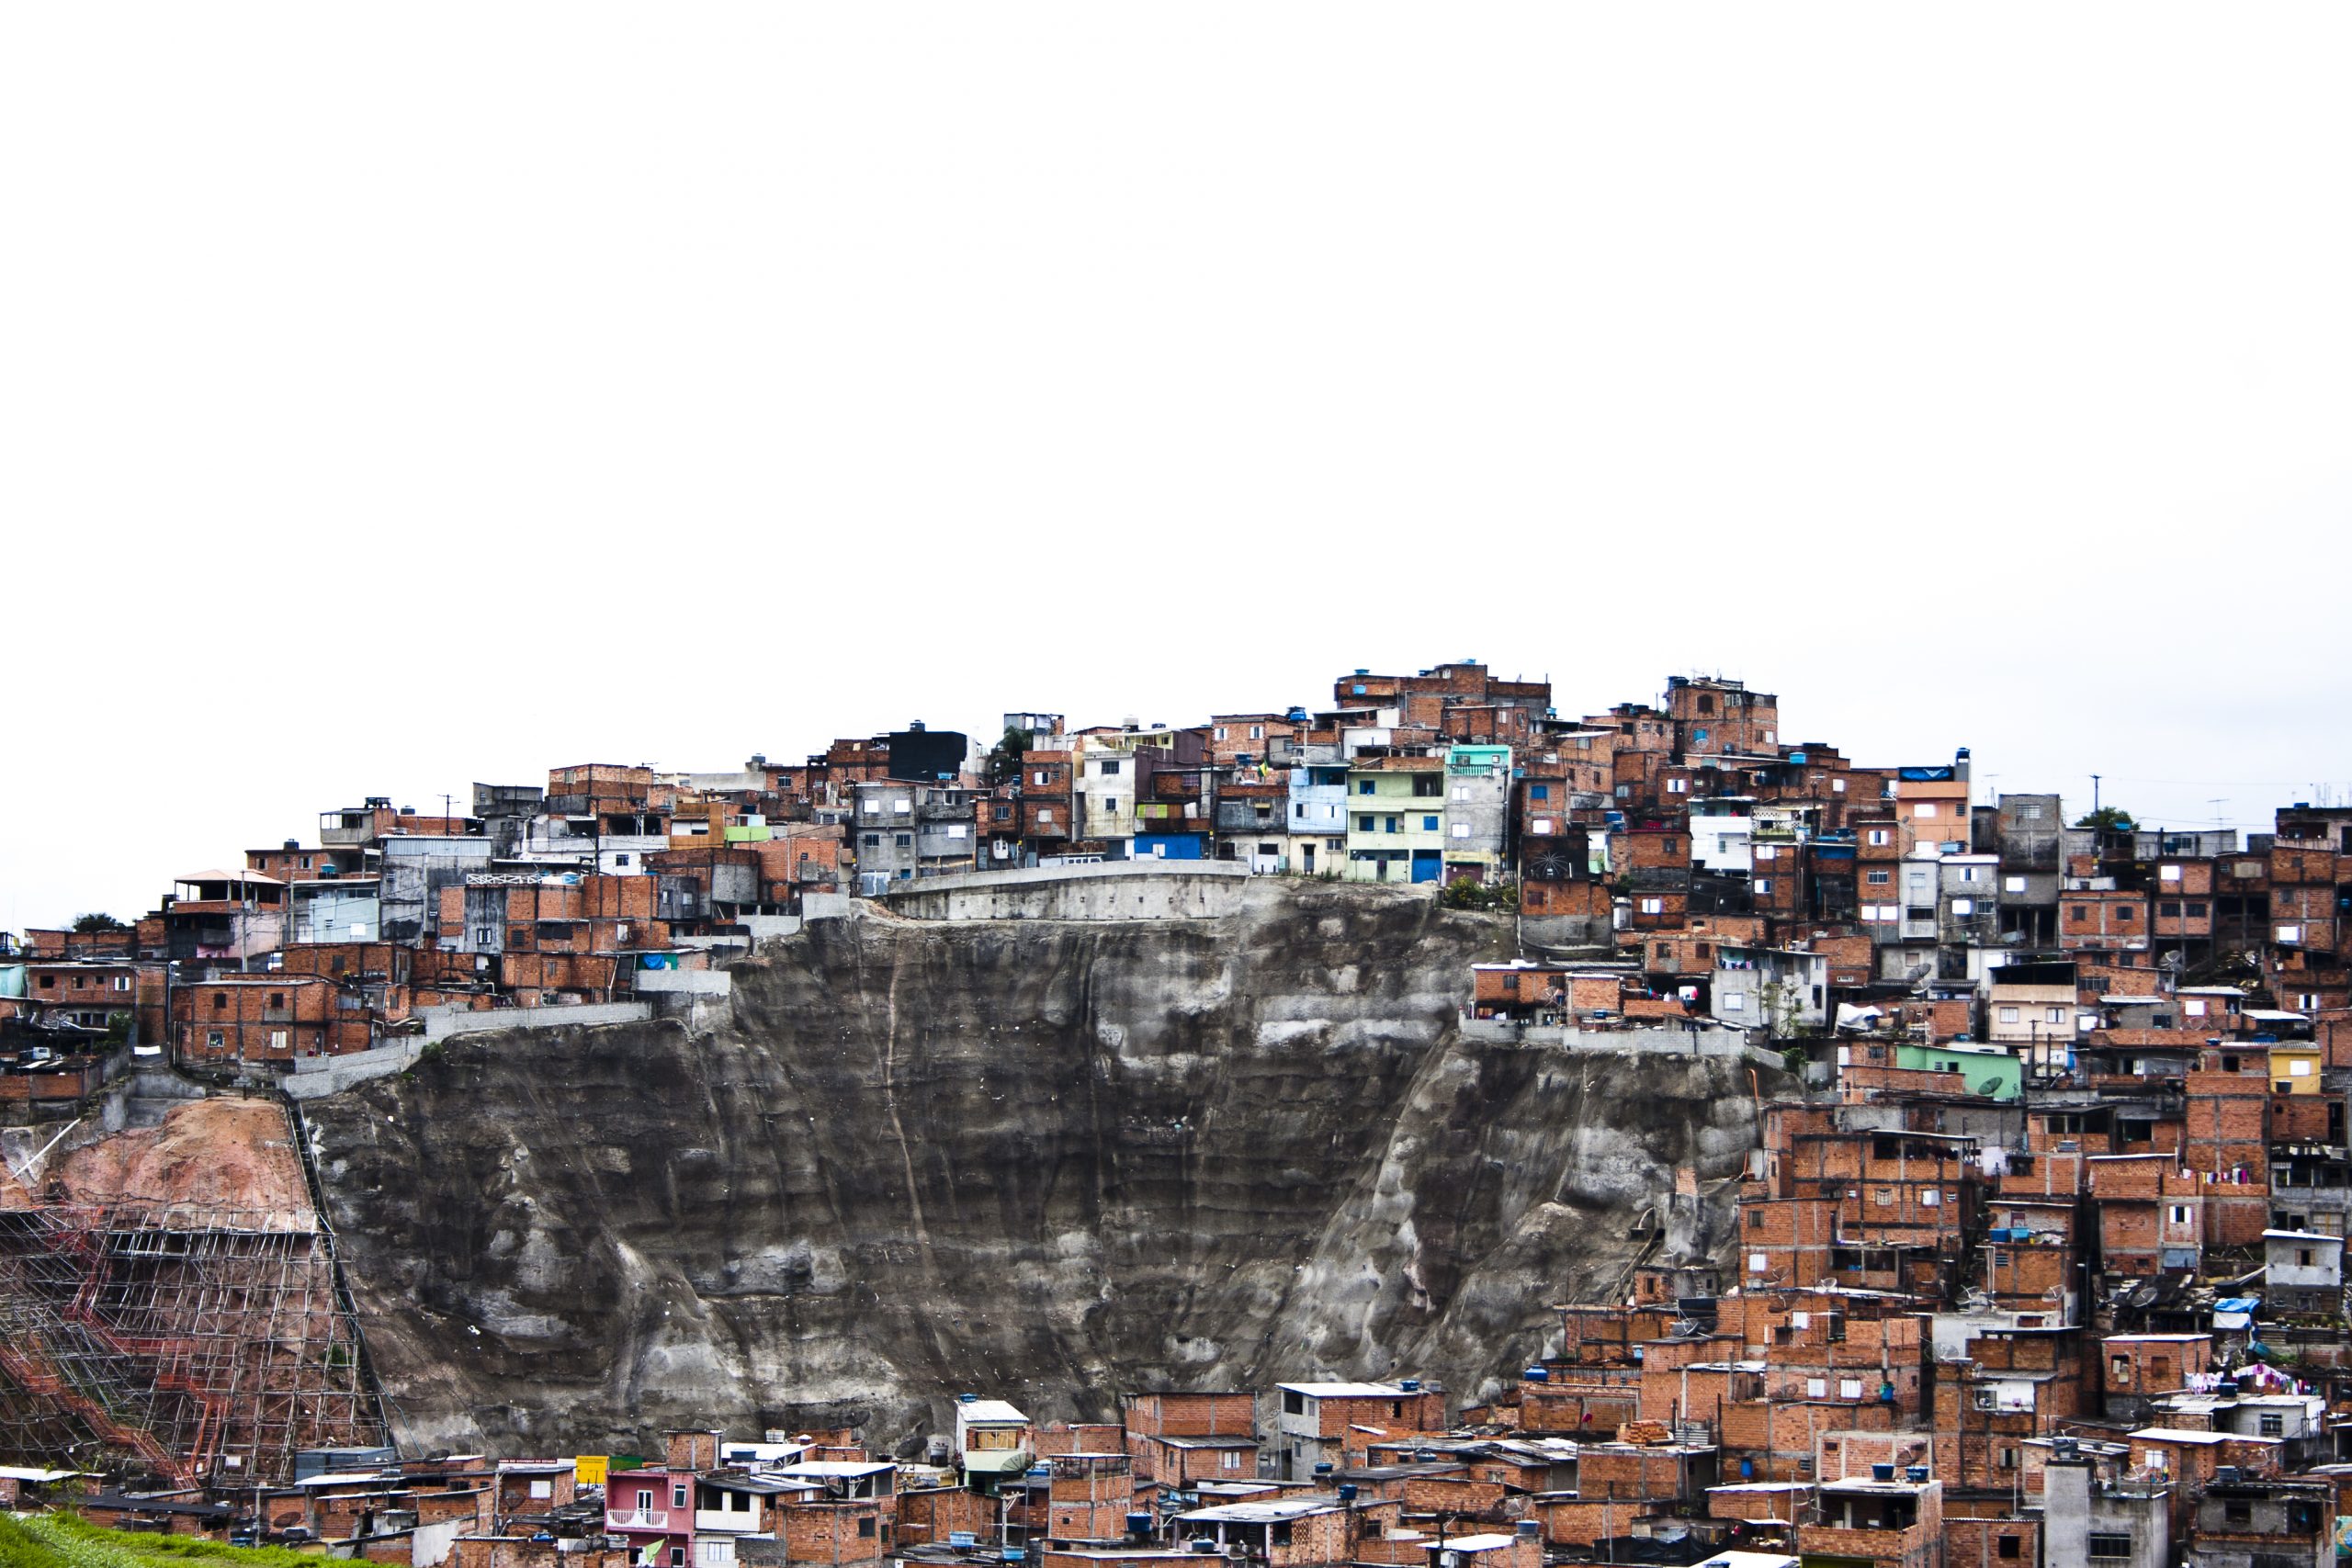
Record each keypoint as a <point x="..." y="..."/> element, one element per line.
<point x="681" y="982"/>
<point x="1110" y="890"/>
<point x="316" y="1078"/>
<point x="440" y="1025"/>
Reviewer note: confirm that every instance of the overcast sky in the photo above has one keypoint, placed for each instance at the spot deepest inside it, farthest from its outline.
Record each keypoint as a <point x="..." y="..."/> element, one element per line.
<point x="395" y="397"/>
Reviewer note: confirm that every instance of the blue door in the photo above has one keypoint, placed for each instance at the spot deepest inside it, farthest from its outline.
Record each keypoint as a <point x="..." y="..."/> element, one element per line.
<point x="1425" y="865"/>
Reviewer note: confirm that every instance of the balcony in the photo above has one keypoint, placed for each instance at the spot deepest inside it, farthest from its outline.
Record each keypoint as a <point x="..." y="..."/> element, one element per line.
<point x="637" y="1520"/>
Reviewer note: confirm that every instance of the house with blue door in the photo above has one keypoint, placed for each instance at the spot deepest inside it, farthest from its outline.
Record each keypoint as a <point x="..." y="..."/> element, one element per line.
<point x="1397" y="814"/>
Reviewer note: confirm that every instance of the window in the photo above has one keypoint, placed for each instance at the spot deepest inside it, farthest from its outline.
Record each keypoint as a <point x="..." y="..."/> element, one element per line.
<point x="903" y="839"/>
<point x="1539" y="792"/>
<point x="1363" y="786"/>
<point x="1540" y="827"/>
<point x="1756" y="1219"/>
<point x="2012" y="885"/>
<point x="864" y="1525"/>
<point x="678" y="1495"/>
<point x="2053" y="1015"/>
<point x="2110" y="1545"/>
<point x="1734" y="1003"/>
<point x="1390" y="825"/>
<point x="2195" y="908"/>
<point x="677" y="1557"/>
<point x="1220" y="732"/>
<point x="1836" y="786"/>
<point x="1230" y="1460"/>
<point x="1653" y="906"/>
<point x="1429" y="825"/>
<point x="1427" y="786"/>
<point x="2082" y="913"/>
<point x="1461" y="830"/>
<point x="2008" y="1015"/>
<point x="1923" y="809"/>
<point x="1363" y="824"/>
<point x="212" y="1038"/>
<point x="2008" y="1549"/>
<point x="1295" y="1403"/>
<point x="2169" y="873"/>
<point x="1677" y="787"/>
<point x="1763" y="885"/>
<point x="1878" y="878"/>
<point x="1257" y="732"/>
<point x="1878" y="836"/>
<point x="122" y="982"/>
<point x="1046" y="817"/>
<point x="1698" y="737"/>
<point x="1963" y="905"/>
<point x="2273" y="1424"/>
<point x="2123" y="914"/>
<point x="1110" y="768"/>
<point x="2170" y="909"/>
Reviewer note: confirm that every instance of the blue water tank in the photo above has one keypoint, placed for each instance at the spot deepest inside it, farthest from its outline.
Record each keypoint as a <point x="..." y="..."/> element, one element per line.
<point x="1346" y="1491"/>
<point x="1538" y="1374"/>
<point x="1410" y="1385"/>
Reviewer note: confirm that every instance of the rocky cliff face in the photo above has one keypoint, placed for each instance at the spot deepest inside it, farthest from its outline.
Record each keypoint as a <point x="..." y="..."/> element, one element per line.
<point x="1043" y="1160"/>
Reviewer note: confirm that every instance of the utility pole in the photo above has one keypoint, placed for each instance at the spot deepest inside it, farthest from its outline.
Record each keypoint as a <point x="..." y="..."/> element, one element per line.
<point x="2093" y="796"/>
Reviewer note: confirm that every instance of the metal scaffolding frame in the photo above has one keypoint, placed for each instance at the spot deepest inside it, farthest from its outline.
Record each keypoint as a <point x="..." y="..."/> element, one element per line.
<point x="199" y="1345"/>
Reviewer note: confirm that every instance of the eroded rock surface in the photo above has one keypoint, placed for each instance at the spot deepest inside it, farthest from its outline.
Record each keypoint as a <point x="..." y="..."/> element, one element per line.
<point x="1043" y="1160"/>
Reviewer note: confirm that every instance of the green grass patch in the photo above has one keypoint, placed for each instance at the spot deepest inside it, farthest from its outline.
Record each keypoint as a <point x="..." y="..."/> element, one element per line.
<point x="66" y="1541"/>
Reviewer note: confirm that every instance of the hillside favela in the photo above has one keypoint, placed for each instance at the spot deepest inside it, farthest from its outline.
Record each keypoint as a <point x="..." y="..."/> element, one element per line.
<point x="1440" y="1122"/>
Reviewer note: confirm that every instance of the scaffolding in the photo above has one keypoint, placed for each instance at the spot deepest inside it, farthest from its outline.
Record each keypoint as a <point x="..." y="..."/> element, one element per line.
<point x="199" y="1345"/>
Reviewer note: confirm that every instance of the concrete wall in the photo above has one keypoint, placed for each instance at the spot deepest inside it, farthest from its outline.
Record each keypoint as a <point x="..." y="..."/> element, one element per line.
<point x="440" y="1024"/>
<point x="316" y="1078"/>
<point x="685" y="982"/>
<point x="1112" y="890"/>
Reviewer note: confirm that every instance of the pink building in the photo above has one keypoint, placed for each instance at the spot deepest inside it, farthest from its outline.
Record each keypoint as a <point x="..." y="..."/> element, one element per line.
<point x="651" y="1508"/>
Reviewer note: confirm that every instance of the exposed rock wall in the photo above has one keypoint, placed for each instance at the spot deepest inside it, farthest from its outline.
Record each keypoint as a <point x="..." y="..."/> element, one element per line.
<point x="1043" y="1160"/>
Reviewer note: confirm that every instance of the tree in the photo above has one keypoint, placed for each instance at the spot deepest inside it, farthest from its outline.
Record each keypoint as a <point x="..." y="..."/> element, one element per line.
<point x="1004" y="760"/>
<point x="97" y="921"/>
<point x="2109" y="819"/>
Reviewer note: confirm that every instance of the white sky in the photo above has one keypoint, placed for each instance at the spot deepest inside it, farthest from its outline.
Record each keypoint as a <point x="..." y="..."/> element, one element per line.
<point x="395" y="397"/>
